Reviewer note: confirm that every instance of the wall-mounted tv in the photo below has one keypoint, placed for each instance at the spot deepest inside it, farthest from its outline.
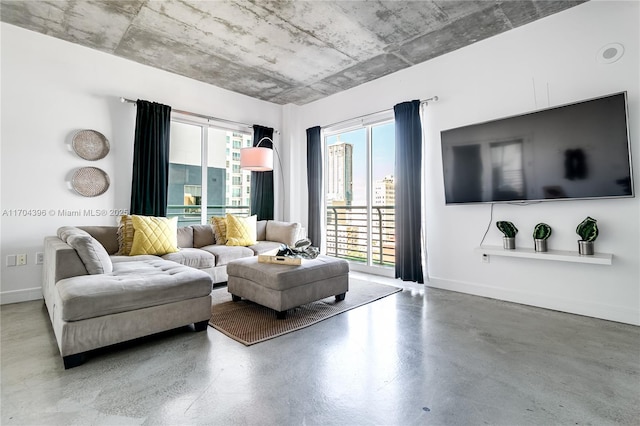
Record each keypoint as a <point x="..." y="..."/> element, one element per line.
<point x="575" y="151"/>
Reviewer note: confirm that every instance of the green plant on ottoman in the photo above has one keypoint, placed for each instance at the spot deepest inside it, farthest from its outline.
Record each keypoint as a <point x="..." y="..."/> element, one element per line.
<point x="588" y="231"/>
<point x="541" y="233"/>
<point x="509" y="230"/>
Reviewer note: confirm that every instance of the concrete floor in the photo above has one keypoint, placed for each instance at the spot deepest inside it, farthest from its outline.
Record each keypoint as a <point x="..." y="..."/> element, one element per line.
<point x="440" y="358"/>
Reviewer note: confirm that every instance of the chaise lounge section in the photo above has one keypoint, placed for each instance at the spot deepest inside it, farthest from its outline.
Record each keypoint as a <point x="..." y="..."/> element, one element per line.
<point x="96" y="297"/>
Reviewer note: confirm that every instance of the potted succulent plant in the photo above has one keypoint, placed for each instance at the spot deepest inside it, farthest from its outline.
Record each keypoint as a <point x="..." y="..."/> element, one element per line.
<point x="588" y="231"/>
<point x="541" y="232"/>
<point x="509" y="230"/>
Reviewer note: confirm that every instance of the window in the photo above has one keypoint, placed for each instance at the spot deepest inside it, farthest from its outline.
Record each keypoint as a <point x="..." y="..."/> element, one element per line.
<point x="360" y="193"/>
<point x="200" y="172"/>
<point x="236" y="156"/>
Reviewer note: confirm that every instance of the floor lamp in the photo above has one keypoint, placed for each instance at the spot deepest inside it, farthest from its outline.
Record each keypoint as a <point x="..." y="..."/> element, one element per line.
<point x="260" y="159"/>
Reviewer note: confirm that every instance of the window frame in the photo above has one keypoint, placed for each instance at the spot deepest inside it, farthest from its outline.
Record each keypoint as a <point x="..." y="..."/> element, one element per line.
<point x="206" y="125"/>
<point x="367" y="123"/>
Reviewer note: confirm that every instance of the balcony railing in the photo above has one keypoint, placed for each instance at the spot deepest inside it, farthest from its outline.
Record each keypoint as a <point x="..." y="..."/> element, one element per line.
<point x="347" y="234"/>
<point x="190" y="214"/>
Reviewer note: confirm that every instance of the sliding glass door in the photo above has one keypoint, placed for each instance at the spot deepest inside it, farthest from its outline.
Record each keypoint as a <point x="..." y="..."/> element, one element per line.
<point x="359" y="194"/>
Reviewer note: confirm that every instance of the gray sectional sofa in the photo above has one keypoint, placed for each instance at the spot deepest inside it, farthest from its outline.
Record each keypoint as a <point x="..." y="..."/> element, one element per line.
<point x="97" y="298"/>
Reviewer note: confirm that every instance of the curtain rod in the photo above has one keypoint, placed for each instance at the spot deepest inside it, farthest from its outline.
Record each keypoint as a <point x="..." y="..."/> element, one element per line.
<point x="422" y="101"/>
<point x="193" y="114"/>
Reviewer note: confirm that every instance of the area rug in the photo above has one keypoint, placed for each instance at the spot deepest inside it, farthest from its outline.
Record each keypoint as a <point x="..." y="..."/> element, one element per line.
<point x="250" y="323"/>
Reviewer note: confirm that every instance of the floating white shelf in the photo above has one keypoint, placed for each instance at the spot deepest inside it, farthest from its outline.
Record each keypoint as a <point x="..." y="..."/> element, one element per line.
<point x="559" y="255"/>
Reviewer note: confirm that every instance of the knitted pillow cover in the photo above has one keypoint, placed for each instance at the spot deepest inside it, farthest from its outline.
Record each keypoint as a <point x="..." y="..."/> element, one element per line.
<point x="219" y="225"/>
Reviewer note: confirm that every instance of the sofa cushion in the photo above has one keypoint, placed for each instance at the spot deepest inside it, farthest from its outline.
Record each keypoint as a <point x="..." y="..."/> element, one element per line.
<point x="185" y="236"/>
<point x="94" y="256"/>
<point x="203" y="235"/>
<point x="225" y="254"/>
<point x="266" y="247"/>
<point x="119" y="259"/>
<point x="131" y="285"/>
<point x="193" y="257"/>
<point x="261" y="230"/>
<point x="106" y="235"/>
<point x="283" y="232"/>
<point x="241" y="231"/>
<point x="219" y="225"/>
<point x="154" y="235"/>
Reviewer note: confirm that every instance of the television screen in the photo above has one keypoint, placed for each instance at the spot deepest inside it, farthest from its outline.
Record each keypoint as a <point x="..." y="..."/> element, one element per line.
<point x="576" y="151"/>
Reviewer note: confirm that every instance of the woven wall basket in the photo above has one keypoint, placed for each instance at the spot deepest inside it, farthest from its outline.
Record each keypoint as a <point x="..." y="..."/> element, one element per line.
<point x="90" y="145"/>
<point x="90" y="181"/>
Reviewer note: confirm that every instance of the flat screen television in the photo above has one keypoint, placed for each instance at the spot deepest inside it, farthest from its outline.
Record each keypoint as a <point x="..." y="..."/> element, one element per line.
<point x="575" y="151"/>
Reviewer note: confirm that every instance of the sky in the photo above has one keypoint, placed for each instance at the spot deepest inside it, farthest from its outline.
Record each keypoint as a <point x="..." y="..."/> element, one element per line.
<point x="383" y="156"/>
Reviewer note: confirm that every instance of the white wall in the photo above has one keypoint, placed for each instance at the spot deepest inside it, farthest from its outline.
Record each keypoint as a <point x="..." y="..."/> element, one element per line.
<point x="546" y="63"/>
<point x="50" y="89"/>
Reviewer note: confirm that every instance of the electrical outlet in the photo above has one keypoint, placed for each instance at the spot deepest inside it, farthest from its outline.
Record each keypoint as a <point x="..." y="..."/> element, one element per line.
<point x="39" y="258"/>
<point x="485" y="258"/>
<point x="21" y="259"/>
<point x="11" y="260"/>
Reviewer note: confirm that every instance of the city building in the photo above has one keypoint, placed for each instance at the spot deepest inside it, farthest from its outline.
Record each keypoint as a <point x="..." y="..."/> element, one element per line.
<point x="384" y="192"/>
<point x="238" y="191"/>
<point x="340" y="174"/>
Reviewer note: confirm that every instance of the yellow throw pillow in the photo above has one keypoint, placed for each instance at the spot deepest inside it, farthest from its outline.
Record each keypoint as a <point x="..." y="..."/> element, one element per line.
<point x="125" y="235"/>
<point x="241" y="231"/>
<point x="154" y="235"/>
<point x="219" y="225"/>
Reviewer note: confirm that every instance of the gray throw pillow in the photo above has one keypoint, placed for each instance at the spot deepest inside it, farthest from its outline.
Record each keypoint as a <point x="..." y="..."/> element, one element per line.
<point x="282" y="232"/>
<point x="64" y="232"/>
<point x="92" y="253"/>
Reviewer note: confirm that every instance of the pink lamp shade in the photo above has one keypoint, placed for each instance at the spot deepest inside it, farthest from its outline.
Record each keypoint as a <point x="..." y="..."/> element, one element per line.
<point x="256" y="159"/>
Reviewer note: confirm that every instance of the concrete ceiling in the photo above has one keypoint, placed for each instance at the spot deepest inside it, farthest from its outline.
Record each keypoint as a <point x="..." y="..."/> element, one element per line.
<point x="279" y="51"/>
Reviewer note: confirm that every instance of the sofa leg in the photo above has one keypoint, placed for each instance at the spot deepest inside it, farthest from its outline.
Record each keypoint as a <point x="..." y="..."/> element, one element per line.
<point x="340" y="297"/>
<point x="236" y="298"/>
<point x="74" y="360"/>
<point x="281" y="315"/>
<point x="201" y="325"/>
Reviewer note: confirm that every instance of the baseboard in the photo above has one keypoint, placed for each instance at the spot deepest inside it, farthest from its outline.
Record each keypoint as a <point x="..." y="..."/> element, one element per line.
<point x="16" y="296"/>
<point x="590" y="309"/>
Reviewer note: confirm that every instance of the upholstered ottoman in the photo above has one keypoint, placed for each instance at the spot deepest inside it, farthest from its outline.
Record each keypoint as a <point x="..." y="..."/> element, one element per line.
<point x="282" y="287"/>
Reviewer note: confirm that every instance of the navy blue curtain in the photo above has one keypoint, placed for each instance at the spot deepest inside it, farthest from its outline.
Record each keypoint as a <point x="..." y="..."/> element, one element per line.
<point x="262" y="182"/>
<point x="150" y="180"/>
<point x="408" y="190"/>
<point x="314" y="185"/>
